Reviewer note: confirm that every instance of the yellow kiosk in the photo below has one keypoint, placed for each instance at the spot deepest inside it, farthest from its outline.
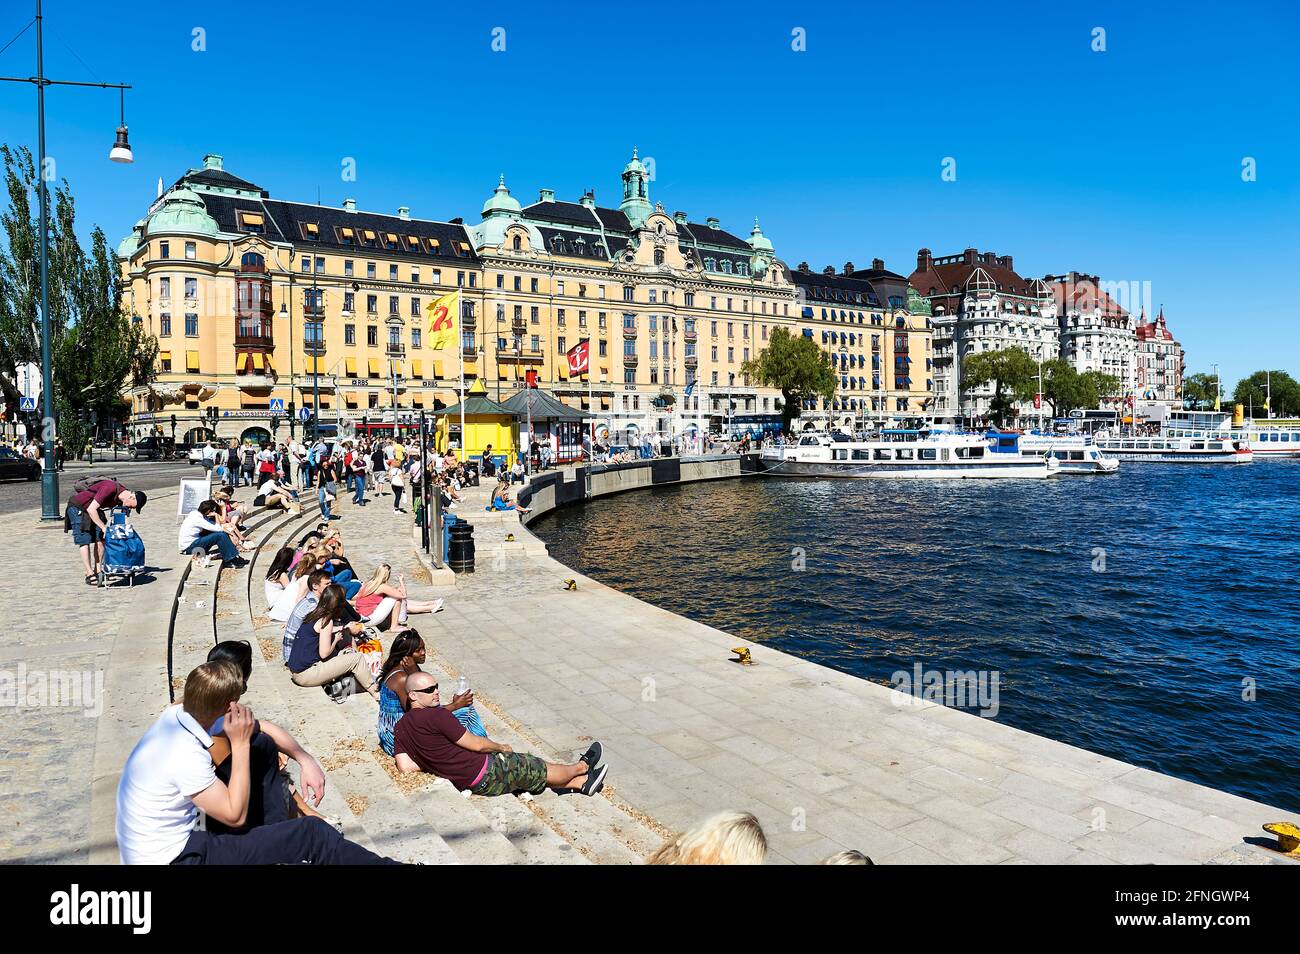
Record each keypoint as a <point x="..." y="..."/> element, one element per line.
<point x="486" y="423"/>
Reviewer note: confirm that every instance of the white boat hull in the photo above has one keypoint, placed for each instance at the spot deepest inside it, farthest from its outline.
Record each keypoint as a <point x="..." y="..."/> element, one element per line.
<point x="908" y="470"/>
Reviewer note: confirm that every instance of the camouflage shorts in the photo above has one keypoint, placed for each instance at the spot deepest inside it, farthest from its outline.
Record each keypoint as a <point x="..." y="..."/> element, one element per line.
<point x="509" y="772"/>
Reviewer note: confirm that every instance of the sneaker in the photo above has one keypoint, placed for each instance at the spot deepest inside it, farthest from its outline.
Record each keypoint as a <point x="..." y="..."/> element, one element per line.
<point x="593" y="755"/>
<point x="595" y="781"/>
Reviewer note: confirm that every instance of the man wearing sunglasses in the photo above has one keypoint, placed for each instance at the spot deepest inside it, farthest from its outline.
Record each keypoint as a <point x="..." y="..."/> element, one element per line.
<point x="430" y="739"/>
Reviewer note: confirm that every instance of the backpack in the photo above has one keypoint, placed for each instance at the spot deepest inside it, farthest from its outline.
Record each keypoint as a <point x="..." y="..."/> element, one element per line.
<point x="85" y="483"/>
<point x="249" y="458"/>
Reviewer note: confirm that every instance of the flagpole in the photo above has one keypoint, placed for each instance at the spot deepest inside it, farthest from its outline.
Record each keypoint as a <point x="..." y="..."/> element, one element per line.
<point x="460" y="348"/>
<point x="591" y="404"/>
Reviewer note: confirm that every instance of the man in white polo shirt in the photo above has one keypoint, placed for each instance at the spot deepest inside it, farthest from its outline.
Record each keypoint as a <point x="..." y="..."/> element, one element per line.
<point x="169" y="777"/>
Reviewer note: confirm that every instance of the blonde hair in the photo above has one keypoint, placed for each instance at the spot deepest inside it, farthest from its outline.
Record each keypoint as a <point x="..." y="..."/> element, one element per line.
<point x="309" y="561"/>
<point x="728" y="838"/>
<point x="377" y="579"/>
<point x="210" y="689"/>
<point x="847" y="858"/>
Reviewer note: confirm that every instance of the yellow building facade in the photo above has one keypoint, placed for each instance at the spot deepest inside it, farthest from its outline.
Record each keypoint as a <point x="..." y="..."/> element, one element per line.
<point x="263" y="307"/>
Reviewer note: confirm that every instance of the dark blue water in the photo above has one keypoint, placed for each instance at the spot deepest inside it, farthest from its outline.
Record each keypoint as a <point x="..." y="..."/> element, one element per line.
<point x="1144" y="661"/>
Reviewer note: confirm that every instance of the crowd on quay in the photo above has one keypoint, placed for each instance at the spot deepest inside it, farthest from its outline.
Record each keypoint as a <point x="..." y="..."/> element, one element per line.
<point x="208" y="754"/>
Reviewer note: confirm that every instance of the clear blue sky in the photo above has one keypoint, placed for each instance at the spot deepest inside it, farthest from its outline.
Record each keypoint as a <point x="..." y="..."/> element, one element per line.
<point x="1125" y="163"/>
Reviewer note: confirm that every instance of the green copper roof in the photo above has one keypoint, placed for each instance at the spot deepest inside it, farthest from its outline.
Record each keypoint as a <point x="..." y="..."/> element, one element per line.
<point x="501" y="201"/>
<point x="182" y="211"/>
<point x="476" y="404"/>
<point x="757" y="240"/>
<point x="635" y="165"/>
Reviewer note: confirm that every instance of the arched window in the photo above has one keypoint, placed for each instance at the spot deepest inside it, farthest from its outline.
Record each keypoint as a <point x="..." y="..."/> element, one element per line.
<point x="659" y="253"/>
<point x="517" y="244"/>
<point x="252" y="262"/>
<point x="726" y="266"/>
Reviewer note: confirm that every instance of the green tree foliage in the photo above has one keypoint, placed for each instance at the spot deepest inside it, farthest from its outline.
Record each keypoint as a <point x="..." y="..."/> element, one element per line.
<point x="1199" y="391"/>
<point x="96" y="350"/>
<point x="1252" y="391"/>
<point x="1012" y="371"/>
<point x="798" y="367"/>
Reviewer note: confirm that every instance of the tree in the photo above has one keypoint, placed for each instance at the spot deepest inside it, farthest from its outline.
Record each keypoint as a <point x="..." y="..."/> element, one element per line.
<point x="1062" y="387"/>
<point x="1251" y="392"/>
<point x="1200" y="390"/>
<point x="798" y="367"/>
<point x="1097" y="385"/>
<point x="1013" y="372"/>
<point x="96" y="350"/>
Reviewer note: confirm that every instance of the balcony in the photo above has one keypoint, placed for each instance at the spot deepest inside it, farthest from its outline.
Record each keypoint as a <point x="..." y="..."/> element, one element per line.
<point x="630" y="360"/>
<point x="469" y="321"/>
<point x="469" y="352"/>
<point x="395" y="349"/>
<point x="263" y="309"/>
<point x="254" y="334"/>
<point x="313" y="344"/>
<point x="520" y="357"/>
<point x="691" y="361"/>
<point x="690" y="335"/>
<point x="313" y="312"/>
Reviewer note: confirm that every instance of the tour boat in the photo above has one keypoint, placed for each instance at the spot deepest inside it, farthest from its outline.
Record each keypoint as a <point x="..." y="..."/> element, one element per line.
<point x="904" y="453"/>
<point x="1174" y="450"/>
<point x="1266" y="438"/>
<point x="1075" y="453"/>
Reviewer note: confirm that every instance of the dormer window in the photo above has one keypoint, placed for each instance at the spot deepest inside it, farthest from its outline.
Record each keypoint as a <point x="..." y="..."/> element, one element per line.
<point x="368" y="238"/>
<point x="311" y="231"/>
<point x="346" y="236"/>
<point x="252" y="222"/>
<point x="462" y="249"/>
<point x="412" y="243"/>
<point x="435" y="246"/>
<point x="517" y="243"/>
<point x="390" y="240"/>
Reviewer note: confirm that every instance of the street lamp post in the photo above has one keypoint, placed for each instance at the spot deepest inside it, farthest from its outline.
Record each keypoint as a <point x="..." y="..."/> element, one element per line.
<point x="121" y="152"/>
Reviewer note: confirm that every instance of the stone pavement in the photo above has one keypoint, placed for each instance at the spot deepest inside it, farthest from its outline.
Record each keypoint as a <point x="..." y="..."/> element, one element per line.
<point x="58" y="624"/>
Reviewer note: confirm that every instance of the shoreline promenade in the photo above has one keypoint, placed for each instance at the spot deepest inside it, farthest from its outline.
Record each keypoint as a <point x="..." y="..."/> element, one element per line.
<point x="826" y="761"/>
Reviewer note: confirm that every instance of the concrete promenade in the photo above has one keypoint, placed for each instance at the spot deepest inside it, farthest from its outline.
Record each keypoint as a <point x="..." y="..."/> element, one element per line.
<point x="825" y="760"/>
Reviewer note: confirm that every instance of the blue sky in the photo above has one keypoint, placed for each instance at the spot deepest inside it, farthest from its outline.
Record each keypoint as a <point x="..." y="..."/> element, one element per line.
<point x="1125" y="163"/>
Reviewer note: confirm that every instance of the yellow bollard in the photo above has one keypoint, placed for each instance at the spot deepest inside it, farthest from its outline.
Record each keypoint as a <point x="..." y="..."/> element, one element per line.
<point x="510" y="538"/>
<point x="1288" y="838"/>
<point x="742" y="656"/>
<point x="570" y="584"/>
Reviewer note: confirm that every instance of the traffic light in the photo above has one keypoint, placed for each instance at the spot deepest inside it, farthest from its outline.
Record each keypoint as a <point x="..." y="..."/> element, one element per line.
<point x="173" y="422"/>
<point x="275" y="423"/>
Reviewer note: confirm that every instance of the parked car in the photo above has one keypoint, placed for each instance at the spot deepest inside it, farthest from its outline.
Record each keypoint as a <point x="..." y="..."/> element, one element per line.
<point x="151" y="448"/>
<point x="195" y="454"/>
<point x="14" y="466"/>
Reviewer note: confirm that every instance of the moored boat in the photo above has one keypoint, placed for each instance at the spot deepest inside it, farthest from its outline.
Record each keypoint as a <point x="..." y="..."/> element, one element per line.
<point x="1174" y="450"/>
<point x="1075" y="453"/>
<point x="904" y="454"/>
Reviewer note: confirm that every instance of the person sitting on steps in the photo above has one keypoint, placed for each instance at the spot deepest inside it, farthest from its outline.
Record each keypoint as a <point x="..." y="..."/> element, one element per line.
<point x="377" y="599"/>
<point x="430" y="739"/>
<point x="322" y="648"/>
<point x="199" y="532"/>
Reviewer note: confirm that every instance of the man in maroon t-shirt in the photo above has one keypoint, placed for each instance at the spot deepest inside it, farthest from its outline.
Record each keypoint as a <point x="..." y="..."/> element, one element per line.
<point x="86" y="517"/>
<point x="430" y="739"/>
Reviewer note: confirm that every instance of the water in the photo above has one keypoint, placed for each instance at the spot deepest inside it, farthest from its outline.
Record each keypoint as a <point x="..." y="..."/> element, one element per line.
<point x="1125" y="614"/>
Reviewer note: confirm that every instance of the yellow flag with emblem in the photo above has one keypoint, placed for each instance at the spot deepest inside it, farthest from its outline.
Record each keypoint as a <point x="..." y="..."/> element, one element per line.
<point x="444" y="315"/>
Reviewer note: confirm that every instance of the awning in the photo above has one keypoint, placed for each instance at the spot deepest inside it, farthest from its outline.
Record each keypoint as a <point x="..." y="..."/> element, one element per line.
<point x="270" y="367"/>
<point x="373" y="365"/>
<point x="437" y="370"/>
<point x="257" y="360"/>
<point x="417" y="369"/>
<point x="417" y="400"/>
<point x="191" y="361"/>
<point x="604" y="404"/>
<point x="350" y="367"/>
<point x="164" y="355"/>
<point x="397" y="367"/>
<point x="562" y="371"/>
<point x="604" y="369"/>
<point x="313" y="364"/>
<point x="351" y="398"/>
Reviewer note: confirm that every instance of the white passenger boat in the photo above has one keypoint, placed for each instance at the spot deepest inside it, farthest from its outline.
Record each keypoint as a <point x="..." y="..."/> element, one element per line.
<point x="908" y="454"/>
<point x="1266" y="438"/>
<point x="1174" y="450"/>
<point x="1076" y="453"/>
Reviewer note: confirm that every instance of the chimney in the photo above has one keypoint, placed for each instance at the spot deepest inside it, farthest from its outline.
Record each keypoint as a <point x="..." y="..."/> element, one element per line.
<point x="1005" y="262"/>
<point x="924" y="260"/>
<point x="212" y="161"/>
<point x="712" y="223"/>
<point x="546" y="195"/>
<point x="970" y="256"/>
<point x="679" y="218"/>
<point x="828" y="270"/>
<point x="990" y="258"/>
<point x="848" y="268"/>
<point x="803" y="267"/>
<point x="878" y="264"/>
<point x="349" y="205"/>
<point x="404" y="213"/>
<point x="588" y="199"/>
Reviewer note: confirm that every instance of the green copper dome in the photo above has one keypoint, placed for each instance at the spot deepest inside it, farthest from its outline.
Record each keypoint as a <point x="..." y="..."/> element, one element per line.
<point x="501" y="201"/>
<point x="182" y="211"/>
<point x="635" y="165"/>
<point x="757" y="240"/>
<point x="127" y="247"/>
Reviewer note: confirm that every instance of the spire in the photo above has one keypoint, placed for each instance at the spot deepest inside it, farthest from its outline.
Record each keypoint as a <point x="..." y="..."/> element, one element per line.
<point x="160" y="187"/>
<point x="636" y="192"/>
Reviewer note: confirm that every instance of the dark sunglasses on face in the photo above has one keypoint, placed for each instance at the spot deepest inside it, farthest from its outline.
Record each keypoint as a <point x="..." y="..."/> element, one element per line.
<point x="433" y="688"/>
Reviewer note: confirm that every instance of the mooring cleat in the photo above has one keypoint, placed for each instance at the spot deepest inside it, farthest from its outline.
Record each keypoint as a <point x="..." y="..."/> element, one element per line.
<point x="742" y="656"/>
<point x="570" y="584"/>
<point x="1288" y="838"/>
<point x="510" y="538"/>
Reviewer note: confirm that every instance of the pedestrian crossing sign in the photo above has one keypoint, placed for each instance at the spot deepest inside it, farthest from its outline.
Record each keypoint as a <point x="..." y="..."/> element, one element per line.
<point x="277" y="405"/>
<point x="28" y="404"/>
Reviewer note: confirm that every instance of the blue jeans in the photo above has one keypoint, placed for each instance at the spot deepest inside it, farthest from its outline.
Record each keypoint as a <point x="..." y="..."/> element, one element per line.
<point x="359" y="482"/>
<point x="297" y="841"/>
<point x="324" y="504"/>
<point x="225" y="547"/>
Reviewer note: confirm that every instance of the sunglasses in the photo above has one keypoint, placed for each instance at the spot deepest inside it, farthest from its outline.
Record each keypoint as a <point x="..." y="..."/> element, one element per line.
<point x="433" y="688"/>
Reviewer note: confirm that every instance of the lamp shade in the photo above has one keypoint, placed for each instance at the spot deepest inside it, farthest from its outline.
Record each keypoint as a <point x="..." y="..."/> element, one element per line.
<point x="121" y="151"/>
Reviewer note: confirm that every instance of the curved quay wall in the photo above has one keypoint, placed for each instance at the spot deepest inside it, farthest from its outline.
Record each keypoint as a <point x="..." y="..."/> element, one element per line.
<point x="906" y="780"/>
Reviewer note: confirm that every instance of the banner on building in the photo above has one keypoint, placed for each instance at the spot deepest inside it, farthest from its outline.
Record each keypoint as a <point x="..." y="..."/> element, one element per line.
<point x="444" y="315"/>
<point x="579" y="357"/>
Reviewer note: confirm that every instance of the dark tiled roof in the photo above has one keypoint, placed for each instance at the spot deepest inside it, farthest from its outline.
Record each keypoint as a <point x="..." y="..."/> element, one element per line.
<point x="571" y="213"/>
<point x="708" y="236"/>
<point x="544" y="407"/>
<point x="577" y="244"/>
<point x="219" y="177"/>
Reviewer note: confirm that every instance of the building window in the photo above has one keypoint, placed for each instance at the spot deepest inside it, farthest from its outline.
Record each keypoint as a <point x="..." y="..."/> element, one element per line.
<point x="600" y="321"/>
<point x="629" y="375"/>
<point x="372" y="304"/>
<point x="393" y="305"/>
<point x="535" y="343"/>
<point x="460" y="279"/>
<point x="190" y="251"/>
<point x="534" y="316"/>
<point x="604" y="348"/>
<point x="534" y="284"/>
<point x="627" y="291"/>
<point x="415" y="307"/>
<point x="559" y="288"/>
<point x="320" y="266"/>
<point x="165" y="288"/>
<point x="165" y="325"/>
<point x="436" y="277"/>
<point x="559" y="317"/>
<point x="349" y="334"/>
<point x="164" y="250"/>
<point x="191" y="325"/>
<point x="501" y="280"/>
<point x="349" y="301"/>
<point x="582" y="319"/>
<point x="372" y="336"/>
<point x="347" y="267"/>
<point x="306" y="264"/>
<point x="560" y="345"/>
<point x="519" y="283"/>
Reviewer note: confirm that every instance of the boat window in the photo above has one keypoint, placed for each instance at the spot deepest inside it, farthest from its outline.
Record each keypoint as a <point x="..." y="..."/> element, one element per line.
<point x="1286" y="437"/>
<point x="861" y="453"/>
<point x="1214" y="445"/>
<point x="1198" y="445"/>
<point x="1127" y="445"/>
<point x="928" y="453"/>
<point x="977" y="452"/>
<point x="840" y="454"/>
<point x="882" y="453"/>
<point x="945" y="453"/>
<point x="903" y="453"/>
<point x="808" y="442"/>
<point x="1076" y="455"/>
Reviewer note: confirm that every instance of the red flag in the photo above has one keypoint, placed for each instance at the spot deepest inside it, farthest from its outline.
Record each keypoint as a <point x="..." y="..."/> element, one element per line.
<point x="1038" y="400"/>
<point x="530" y="378"/>
<point x="579" y="356"/>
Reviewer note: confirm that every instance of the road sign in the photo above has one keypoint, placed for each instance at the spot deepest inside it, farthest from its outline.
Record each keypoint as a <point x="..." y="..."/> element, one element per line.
<point x="28" y="404"/>
<point x="304" y="414"/>
<point x="277" y="405"/>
